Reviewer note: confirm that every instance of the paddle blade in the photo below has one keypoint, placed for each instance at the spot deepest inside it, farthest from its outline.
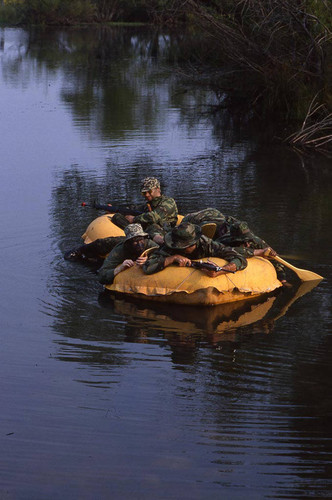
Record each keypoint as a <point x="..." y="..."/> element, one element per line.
<point x="148" y="251"/>
<point x="303" y="274"/>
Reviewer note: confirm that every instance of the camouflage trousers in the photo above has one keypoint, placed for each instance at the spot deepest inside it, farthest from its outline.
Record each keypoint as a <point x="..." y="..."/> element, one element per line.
<point x="102" y="246"/>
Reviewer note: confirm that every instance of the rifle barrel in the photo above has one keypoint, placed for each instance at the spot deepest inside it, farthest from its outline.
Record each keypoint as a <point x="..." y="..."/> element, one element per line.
<point x="113" y="209"/>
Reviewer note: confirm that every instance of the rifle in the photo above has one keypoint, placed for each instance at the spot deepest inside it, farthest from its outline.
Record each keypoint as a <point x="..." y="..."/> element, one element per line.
<point x="113" y="209"/>
<point x="209" y="266"/>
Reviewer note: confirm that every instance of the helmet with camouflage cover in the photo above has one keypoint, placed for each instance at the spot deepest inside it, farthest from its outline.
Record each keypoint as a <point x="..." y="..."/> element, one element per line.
<point x="149" y="183"/>
<point x="134" y="230"/>
<point x="183" y="236"/>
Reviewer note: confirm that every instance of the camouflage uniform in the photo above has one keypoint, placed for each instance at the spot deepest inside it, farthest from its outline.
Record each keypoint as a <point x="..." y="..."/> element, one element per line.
<point x="101" y="246"/>
<point x="205" y="247"/>
<point x="232" y="232"/>
<point x="158" y="216"/>
<point x="122" y="252"/>
<point x="205" y="216"/>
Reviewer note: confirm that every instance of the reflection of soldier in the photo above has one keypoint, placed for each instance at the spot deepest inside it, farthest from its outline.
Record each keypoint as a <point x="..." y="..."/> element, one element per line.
<point x="159" y="213"/>
<point x="232" y="232"/>
<point x="126" y="254"/>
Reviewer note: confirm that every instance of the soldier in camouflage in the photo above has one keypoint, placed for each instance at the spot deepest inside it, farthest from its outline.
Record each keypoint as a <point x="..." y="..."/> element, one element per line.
<point x="126" y="254"/>
<point x="232" y="232"/>
<point x="94" y="251"/>
<point x="186" y="242"/>
<point x="159" y="214"/>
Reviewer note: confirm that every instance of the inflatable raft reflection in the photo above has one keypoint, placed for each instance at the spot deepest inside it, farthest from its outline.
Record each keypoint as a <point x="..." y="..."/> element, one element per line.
<point x="217" y="322"/>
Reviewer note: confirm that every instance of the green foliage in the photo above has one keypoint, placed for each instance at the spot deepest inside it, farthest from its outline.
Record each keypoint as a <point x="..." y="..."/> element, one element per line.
<point x="10" y="14"/>
<point x="50" y="12"/>
<point x="119" y="10"/>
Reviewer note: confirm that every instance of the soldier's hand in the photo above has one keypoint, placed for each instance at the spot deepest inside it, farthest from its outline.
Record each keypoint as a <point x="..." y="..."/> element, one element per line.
<point x="127" y="263"/>
<point x="141" y="260"/>
<point x="265" y="252"/>
<point x="130" y="218"/>
<point x="181" y="260"/>
<point x="122" y="267"/>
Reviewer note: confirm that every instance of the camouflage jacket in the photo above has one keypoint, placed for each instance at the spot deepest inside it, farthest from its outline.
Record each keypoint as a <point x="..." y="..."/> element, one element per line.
<point x="120" y="253"/>
<point x="206" y="215"/>
<point x="164" y="213"/>
<point x="205" y="248"/>
<point x="230" y="231"/>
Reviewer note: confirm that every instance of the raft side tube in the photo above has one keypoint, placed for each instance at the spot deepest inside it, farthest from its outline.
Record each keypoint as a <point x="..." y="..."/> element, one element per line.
<point x="185" y="285"/>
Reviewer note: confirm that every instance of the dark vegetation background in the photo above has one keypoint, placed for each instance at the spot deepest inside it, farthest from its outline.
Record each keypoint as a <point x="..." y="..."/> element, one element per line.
<point x="268" y="61"/>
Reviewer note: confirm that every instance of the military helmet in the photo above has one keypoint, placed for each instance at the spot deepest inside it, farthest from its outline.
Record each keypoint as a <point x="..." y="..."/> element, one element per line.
<point x="134" y="230"/>
<point x="149" y="183"/>
<point x="183" y="236"/>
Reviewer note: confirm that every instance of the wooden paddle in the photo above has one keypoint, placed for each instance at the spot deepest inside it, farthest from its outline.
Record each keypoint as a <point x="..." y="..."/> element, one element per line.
<point x="303" y="274"/>
<point x="148" y="251"/>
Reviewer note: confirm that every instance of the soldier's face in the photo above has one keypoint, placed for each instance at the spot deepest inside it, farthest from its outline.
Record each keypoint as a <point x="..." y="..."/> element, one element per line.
<point x="138" y="244"/>
<point x="150" y="195"/>
<point x="190" y="250"/>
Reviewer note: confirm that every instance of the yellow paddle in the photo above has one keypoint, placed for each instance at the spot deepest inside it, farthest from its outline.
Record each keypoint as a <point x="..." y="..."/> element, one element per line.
<point x="148" y="251"/>
<point x="303" y="274"/>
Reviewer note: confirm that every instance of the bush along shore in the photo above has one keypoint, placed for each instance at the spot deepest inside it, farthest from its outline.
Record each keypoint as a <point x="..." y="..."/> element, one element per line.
<point x="265" y="59"/>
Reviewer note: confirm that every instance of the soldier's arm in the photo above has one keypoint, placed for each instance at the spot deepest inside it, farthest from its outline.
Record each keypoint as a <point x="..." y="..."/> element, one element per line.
<point x="228" y="253"/>
<point x="106" y="273"/>
<point x="156" y="262"/>
<point x="165" y="211"/>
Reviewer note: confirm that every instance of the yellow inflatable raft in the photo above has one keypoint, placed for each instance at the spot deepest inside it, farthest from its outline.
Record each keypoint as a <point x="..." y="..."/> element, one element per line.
<point x="183" y="285"/>
<point x="103" y="227"/>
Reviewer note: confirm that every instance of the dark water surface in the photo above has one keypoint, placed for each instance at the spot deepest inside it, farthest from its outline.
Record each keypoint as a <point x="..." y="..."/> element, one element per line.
<point x="117" y="399"/>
